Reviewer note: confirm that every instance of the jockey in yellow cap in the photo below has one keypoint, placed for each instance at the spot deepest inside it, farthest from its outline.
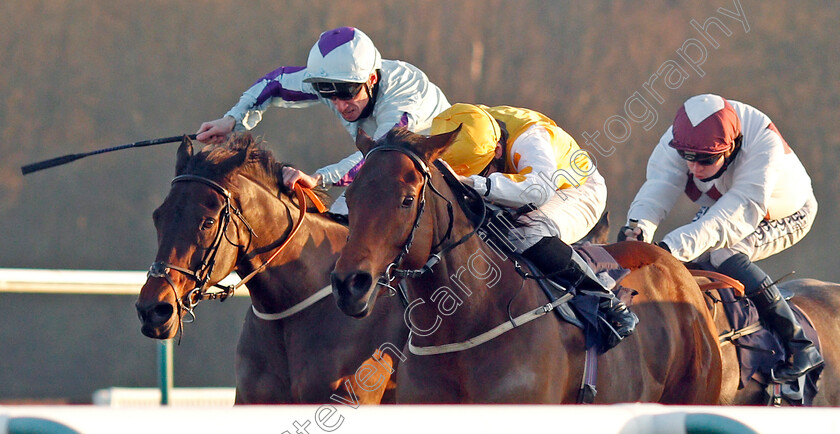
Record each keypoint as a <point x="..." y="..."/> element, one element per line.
<point x="516" y="157"/>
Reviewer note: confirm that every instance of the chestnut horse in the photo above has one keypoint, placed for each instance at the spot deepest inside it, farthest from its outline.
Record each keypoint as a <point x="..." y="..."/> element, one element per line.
<point x="820" y="302"/>
<point x="228" y="210"/>
<point x="401" y="207"/>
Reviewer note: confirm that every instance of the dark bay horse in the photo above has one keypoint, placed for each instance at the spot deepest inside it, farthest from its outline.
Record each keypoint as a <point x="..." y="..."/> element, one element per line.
<point x="228" y="210"/>
<point x="402" y="212"/>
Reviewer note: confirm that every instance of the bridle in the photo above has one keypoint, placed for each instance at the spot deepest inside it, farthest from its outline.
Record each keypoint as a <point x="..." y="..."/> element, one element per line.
<point x="203" y="273"/>
<point x="393" y="270"/>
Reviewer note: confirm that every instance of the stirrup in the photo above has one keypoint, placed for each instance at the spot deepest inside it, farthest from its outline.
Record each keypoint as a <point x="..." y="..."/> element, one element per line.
<point x="622" y="320"/>
<point x="611" y="336"/>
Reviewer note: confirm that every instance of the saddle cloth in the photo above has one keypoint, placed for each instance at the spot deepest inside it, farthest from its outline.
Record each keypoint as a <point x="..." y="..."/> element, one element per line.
<point x="760" y="351"/>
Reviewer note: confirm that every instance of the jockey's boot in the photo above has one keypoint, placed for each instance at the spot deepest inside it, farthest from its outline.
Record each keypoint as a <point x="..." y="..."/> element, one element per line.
<point x="774" y="310"/>
<point x="565" y="266"/>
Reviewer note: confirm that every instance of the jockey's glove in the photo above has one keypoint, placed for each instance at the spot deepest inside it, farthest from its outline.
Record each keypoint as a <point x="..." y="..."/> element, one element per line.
<point x="629" y="233"/>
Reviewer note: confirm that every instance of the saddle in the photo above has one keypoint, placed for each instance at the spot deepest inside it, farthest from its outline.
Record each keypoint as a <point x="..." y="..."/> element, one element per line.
<point x="758" y="348"/>
<point x="582" y="310"/>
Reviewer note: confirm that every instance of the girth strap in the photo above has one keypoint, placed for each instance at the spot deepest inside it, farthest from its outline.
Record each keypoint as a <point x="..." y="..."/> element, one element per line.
<point x="490" y="334"/>
<point x="732" y="335"/>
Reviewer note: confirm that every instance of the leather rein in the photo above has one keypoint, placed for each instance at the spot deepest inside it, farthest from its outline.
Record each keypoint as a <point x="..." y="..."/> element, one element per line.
<point x="203" y="273"/>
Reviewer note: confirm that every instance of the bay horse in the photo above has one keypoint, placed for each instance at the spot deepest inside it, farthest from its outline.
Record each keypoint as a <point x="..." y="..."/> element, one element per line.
<point x="228" y="210"/>
<point x="403" y="227"/>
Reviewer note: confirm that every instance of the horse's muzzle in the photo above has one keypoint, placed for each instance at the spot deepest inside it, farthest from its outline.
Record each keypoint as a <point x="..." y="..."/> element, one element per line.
<point x="354" y="293"/>
<point x="157" y="320"/>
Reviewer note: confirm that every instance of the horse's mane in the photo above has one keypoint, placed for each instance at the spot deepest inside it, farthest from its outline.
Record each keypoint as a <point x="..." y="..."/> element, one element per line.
<point x="402" y="137"/>
<point x="259" y="165"/>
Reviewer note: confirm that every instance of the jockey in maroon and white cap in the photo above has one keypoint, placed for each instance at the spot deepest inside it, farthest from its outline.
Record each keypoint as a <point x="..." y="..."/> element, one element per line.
<point x="706" y="127"/>
<point x="755" y="199"/>
<point x="705" y="124"/>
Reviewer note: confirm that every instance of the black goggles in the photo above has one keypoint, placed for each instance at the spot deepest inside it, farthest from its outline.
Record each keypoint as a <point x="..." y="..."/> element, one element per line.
<point x="341" y="90"/>
<point x="699" y="158"/>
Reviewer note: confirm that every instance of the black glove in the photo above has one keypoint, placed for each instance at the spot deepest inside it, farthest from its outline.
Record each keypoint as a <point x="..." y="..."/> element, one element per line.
<point x="664" y="246"/>
<point x="622" y="236"/>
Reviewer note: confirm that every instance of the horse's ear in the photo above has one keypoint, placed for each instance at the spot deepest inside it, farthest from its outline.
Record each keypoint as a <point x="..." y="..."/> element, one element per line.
<point x="185" y="152"/>
<point x="432" y="147"/>
<point x="364" y="142"/>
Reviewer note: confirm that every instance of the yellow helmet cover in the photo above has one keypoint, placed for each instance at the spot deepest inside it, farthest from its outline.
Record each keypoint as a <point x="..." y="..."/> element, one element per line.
<point x="475" y="145"/>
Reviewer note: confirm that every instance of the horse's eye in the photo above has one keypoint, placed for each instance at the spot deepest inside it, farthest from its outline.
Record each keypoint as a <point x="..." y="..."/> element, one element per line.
<point x="208" y="223"/>
<point x="407" y="201"/>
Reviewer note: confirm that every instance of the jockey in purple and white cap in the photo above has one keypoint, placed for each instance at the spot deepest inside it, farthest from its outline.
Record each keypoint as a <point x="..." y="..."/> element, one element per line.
<point x="755" y="200"/>
<point x="345" y="72"/>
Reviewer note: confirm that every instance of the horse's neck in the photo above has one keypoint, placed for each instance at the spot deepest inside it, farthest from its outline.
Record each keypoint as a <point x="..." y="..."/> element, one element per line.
<point x="304" y="265"/>
<point x="474" y="276"/>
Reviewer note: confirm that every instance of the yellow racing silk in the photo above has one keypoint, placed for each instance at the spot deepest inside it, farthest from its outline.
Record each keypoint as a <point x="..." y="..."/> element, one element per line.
<point x="575" y="166"/>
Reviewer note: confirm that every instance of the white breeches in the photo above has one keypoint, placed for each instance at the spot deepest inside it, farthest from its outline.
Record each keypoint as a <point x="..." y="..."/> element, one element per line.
<point x="570" y="214"/>
<point x="771" y="236"/>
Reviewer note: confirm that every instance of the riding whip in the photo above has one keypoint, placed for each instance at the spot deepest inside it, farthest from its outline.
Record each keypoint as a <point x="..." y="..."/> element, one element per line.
<point x="58" y="161"/>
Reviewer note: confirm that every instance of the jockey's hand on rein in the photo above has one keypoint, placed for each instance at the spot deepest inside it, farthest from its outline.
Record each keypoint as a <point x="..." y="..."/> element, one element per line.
<point x="630" y="233"/>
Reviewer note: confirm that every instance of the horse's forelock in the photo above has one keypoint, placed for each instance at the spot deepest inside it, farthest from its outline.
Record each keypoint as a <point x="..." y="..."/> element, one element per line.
<point x="427" y="147"/>
<point x="214" y="161"/>
<point x="402" y="137"/>
<point x="259" y="164"/>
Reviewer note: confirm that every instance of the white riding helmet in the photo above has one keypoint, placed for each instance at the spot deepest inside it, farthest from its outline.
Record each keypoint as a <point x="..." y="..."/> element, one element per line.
<point x="344" y="54"/>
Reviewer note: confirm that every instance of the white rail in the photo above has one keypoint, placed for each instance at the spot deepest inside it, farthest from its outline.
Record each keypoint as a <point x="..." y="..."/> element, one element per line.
<point x="122" y="397"/>
<point x="101" y="282"/>
<point x="422" y="419"/>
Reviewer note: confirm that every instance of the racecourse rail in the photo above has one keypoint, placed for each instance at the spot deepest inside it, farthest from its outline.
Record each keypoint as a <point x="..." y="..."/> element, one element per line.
<point x="101" y="282"/>
<point x="212" y="415"/>
<point x="420" y="419"/>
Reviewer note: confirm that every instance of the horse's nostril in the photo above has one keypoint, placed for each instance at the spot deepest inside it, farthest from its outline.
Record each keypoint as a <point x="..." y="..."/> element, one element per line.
<point x="353" y="284"/>
<point x="163" y="311"/>
<point x="158" y="313"/>
<point x="360" y="282"/>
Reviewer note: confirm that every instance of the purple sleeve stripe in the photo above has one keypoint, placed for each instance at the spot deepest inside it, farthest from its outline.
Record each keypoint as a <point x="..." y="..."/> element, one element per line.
<point x="348" y="178"/>
<point x="403" y="121"/>
<point x="280" y="71"/>
<point x="274" y="89"/>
